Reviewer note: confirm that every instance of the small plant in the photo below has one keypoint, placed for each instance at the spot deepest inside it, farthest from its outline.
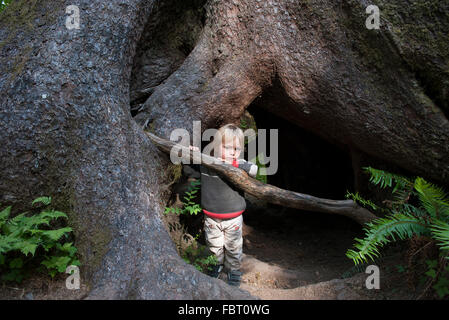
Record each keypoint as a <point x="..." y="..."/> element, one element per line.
<point x="429" y="219"/>
<point x="438" y="272"/>
<point x="358" y="198"/>
<point x="198" y="256"/>
<point x="28" y="242"/>
<point x="243" y="124"/>
<point x="189" y="206"/>
<point x="195" y="253"/>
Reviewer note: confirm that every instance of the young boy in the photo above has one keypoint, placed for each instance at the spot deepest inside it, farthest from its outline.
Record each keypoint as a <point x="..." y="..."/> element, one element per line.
<point x="223" y="205"/>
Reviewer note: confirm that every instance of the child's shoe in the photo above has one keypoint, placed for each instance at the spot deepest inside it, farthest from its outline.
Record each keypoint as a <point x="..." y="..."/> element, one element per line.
<point x="215" y="271"/>
<point x="234" y="277"/>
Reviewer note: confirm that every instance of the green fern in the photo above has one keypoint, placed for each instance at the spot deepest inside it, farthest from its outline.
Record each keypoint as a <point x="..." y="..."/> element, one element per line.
<point x="189" y="206"/>
<point x="432" y="198"/>
<point x="22" y="236"/>
<point x="383" y="230"/>
<point x="403" y="219"/>
<point x="440" y="232"/>
<point x="386" y="179"/>
<point x="364" y="202"/>
<point x="44" y="200"/>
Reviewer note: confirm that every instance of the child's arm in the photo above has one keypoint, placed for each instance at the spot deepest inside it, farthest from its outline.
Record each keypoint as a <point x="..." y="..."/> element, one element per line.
<point x="249" y="167"/>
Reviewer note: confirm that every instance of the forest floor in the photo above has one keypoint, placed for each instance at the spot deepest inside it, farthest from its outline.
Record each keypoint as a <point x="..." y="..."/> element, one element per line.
<point x="302" y="256"/>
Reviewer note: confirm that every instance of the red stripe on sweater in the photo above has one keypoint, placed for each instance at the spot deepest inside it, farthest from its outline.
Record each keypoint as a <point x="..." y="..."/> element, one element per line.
<point x="222" y="215"/>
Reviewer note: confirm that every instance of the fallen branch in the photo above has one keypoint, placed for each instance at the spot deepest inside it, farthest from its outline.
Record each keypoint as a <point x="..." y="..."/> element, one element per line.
<point x="267" y="192"/>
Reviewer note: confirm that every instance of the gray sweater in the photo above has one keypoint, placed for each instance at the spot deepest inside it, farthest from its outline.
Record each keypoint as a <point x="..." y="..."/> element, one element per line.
<point x="219" y="196"/>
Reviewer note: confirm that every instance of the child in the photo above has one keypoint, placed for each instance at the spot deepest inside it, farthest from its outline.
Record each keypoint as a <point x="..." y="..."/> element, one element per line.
<point x="223" y="205"/>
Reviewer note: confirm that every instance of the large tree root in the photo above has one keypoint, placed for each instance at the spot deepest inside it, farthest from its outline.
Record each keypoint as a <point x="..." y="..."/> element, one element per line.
<point x="267" y="192"/>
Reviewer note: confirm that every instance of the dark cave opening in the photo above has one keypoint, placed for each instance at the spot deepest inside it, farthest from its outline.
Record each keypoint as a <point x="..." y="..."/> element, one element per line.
<point x="307" y="163"/>
<point x="296" y="239"/>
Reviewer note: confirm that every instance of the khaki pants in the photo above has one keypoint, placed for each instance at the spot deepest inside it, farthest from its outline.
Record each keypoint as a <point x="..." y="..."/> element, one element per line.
<point x="224" y="239"/>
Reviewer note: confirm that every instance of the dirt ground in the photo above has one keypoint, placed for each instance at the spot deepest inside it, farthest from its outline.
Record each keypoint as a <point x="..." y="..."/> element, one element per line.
<point x="301" y="256"/>
<point x="42" y="287"/>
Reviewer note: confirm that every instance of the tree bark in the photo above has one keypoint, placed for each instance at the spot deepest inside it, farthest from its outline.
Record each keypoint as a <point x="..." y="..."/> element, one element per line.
<point x="67" y="130"/>
<point x="365" y="89"/>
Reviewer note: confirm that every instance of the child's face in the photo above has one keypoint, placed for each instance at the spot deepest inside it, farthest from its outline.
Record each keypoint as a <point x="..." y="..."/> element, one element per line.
<point x="230" y="149"/>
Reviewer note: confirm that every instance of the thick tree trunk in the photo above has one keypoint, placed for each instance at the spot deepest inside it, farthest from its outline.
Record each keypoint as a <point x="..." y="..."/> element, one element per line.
<point x="67" y="131"/>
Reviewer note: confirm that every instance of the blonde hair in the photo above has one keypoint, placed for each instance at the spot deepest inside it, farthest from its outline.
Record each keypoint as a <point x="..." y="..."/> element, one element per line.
<point x="226" y="133"/>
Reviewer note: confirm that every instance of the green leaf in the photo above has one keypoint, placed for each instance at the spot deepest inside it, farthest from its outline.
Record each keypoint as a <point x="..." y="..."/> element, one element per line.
<point x="28" y="247"/>
<point x="440" y="232"/>
<point x="384" y="179"/>
<point x="432" y="263"/>
<point x="56" y="234"/>
<point x="58" y="263"/>
<point x="67" y="247"/>
<point x="53" y="214"/>
<point x="431" y="273"/>
<point x="16" y="263"/>
<point x="432" y="198"/>
<point x="52" y="272"/>
<point x="4" y="214"/>
<point x="44" y="200"/>
<point x="75" y="263"/>
<point x="381" y="231"/>
<point x="442" y="287"/>
<point x="24" y="234"/>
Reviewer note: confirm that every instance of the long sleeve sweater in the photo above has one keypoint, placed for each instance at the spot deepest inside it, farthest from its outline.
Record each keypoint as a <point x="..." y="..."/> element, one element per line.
<point x="219" y="198"/>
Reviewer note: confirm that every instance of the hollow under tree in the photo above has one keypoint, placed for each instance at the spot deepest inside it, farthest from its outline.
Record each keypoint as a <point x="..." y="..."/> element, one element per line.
<point x="66" y="94"/>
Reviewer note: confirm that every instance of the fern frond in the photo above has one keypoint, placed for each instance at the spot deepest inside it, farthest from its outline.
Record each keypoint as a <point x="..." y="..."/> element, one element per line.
<point x="379" y="232"/>
<point x="44" y="200"/>
<point x="4" y="214"/>
<point x="401" y="197"/>
<point x="358" y="198"/>
<point x="360" y="268"/>
<point x="385" y="179"/>
<point x="440" y="232"/>
<point x="409" y="209"/>
<point x="433" y="198"/>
